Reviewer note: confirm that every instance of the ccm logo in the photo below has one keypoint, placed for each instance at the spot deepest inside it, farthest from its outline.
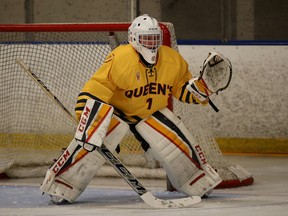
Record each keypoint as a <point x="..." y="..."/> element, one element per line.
<point x="61" y="161"/>
<point x="201" y="154"/>
<point x="83" y="120"/>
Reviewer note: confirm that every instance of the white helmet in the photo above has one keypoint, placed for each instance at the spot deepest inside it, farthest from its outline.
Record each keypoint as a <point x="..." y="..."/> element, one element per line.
<point x="145" y="36"/>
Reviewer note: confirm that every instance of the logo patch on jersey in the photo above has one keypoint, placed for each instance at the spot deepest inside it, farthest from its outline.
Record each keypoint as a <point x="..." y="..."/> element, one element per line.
<point x="138" y="76"/>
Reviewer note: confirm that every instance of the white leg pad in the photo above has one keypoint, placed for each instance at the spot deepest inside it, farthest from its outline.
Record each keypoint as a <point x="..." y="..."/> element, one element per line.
<point x="186" y="167"/>
<point x="75" y="168"/>
<point x="116" y="132"/>
<point x="70" y="182"/>
<point x="201" y="183"/>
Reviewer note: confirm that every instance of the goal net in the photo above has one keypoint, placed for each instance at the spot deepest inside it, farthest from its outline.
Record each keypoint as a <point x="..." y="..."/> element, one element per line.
<point x="33" y="130"/>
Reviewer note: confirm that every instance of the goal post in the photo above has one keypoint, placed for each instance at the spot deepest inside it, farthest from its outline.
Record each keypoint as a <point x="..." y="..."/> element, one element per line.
<point x="33" y="130"/>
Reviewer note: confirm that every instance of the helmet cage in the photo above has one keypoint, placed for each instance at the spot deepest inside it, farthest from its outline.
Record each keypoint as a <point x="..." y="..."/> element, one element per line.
<point x="151" y="40"/>
<point x="147" y="44"/>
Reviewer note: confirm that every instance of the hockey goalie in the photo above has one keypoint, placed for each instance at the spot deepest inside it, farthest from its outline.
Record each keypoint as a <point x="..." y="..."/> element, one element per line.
<point x="130" y="91"/>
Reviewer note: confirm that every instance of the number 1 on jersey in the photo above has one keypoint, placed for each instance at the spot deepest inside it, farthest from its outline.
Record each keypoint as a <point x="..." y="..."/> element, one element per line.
<point x="149" y="101"/>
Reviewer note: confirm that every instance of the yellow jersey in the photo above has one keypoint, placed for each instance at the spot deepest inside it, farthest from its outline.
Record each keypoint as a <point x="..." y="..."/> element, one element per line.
<point x="135" y="90"/>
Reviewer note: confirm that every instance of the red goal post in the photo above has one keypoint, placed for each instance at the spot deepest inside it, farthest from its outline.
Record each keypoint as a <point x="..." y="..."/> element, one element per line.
<point x="33" y="130"/>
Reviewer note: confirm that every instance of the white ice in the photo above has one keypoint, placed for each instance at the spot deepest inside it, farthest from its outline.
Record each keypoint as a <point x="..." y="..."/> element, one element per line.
<point x="267" y="196"/>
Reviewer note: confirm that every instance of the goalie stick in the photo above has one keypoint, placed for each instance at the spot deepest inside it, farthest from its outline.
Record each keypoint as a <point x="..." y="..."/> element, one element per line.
<point x="145" y="195"/>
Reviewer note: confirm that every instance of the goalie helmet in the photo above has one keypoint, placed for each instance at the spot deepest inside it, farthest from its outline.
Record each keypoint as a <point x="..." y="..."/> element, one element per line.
<point x="145" y="35"/>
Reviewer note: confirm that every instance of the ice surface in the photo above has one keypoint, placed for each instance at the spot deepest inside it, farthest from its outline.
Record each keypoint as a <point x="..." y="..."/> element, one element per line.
<point x="268" y="195"/>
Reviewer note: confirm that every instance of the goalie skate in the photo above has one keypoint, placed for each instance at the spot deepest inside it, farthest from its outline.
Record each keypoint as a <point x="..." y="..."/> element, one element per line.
<point x="58" y="200"/>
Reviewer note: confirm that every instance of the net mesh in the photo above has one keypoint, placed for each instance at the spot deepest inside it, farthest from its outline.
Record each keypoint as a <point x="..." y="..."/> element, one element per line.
<point x="34" y="130"/>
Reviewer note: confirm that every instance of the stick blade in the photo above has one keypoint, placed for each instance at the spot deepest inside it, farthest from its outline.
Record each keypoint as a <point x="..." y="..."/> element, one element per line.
<point x="155" y="202"/>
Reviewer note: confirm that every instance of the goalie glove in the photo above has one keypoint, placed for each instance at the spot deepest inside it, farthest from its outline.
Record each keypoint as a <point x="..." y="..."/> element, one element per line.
<point x="215" y="76"/>
<point x="216" y="72"/>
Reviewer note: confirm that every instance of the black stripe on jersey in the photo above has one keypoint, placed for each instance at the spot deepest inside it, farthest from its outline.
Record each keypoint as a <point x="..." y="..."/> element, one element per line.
<point x="79" y="108"/>
<point x="121" y="115"/>
<point x="188" y="97"/>
<point x="124" y="117"/>
<point x="82" y="100"/>
<point x="90" y="96"/>
<point x="136" y="118"/>
<point x="158" y="115"/>
<point x="85" y="99"/>
<point x="183" y="91"/>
